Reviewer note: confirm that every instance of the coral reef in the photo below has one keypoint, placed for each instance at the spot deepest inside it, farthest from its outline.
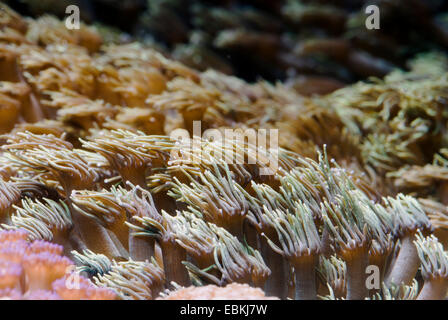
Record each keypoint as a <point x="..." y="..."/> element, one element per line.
<point x="101" y="156"/>
<point x="317" y="46"/>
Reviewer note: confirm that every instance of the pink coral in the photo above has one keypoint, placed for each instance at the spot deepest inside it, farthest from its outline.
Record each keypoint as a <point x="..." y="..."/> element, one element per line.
<point x="233" y="291"/>
<point x="38" y="271"/>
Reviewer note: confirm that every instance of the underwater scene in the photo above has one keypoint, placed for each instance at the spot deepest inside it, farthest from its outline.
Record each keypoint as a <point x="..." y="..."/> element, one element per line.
<point x="223" y="150"/>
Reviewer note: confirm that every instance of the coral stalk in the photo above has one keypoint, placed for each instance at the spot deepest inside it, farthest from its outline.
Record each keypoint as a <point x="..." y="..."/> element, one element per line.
<point x="173" y="255"/>
<point x="276" y="284"/>
<point x="356" y="274"/>
<point x="305" y="278"/>
<point x="407" y="263"/>
<point x="434" y="290"/>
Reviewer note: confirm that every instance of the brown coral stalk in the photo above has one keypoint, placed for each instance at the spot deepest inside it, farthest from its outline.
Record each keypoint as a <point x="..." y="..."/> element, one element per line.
<point x="434" y="289"/>
<point x="356" y="273"/>
<point x="141" y="249"/>
<point x="173" y="255"/>
<point x="406" y="265"/>
<point x="276" y="284"/>
<point x="305" y="278"/>
<point x="96" y="237"/>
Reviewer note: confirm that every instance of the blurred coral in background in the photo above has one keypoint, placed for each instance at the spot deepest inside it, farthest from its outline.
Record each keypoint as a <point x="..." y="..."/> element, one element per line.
<point x="88" y="173"/>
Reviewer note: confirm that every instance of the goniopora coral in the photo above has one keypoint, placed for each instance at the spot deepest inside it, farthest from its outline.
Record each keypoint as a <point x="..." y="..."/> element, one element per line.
<point x="90" y="163"/>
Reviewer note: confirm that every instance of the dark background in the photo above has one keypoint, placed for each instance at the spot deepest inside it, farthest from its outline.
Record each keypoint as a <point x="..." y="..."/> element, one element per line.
<point x="275" y="40"/>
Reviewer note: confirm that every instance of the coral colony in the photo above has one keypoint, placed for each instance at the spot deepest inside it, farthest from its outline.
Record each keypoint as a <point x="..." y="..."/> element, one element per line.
<point x="101" y="199"/>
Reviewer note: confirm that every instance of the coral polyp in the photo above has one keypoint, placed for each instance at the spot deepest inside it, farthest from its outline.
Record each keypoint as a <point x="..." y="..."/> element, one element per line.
<point x="108" y="189"/>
